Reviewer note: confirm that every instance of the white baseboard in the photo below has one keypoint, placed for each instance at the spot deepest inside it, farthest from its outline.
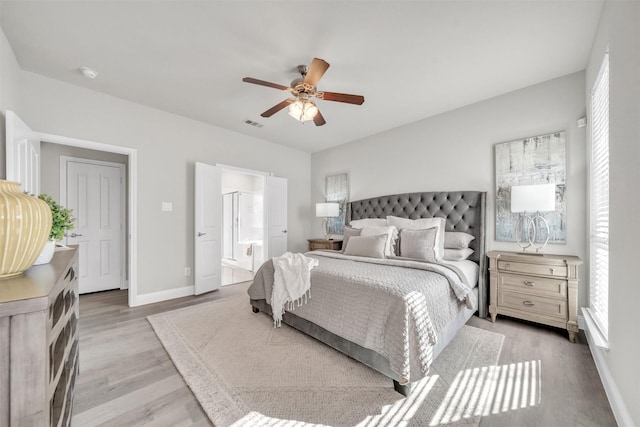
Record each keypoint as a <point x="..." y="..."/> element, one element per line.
<point x="160" y="296"/>
<point x="619" y="408"/>
<point x="582" y="324"/>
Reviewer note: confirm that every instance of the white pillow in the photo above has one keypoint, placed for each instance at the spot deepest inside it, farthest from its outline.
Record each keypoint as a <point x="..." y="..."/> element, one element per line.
<point x="388" y="230"/>
<point x="368" y="222"/>
<point x="367" y="246"/>
<point x="457" y="240"/>
<point x="457" y="254"/>
<point x="421" y="224"/>
<point x="419" y="244"/>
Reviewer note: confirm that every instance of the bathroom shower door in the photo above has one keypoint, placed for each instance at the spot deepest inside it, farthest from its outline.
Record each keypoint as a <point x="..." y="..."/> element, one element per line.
<point x="243" y="227"/>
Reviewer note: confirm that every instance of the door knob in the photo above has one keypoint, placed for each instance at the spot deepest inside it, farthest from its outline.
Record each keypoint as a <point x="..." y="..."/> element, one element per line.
<point x="284" y="231"/>
<point x="201" y="234"/>
<point x="73" y="235"/>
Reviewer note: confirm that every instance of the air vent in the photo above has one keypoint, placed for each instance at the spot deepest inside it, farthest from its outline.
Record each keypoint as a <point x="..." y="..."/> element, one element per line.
<point x="252" y="123"/>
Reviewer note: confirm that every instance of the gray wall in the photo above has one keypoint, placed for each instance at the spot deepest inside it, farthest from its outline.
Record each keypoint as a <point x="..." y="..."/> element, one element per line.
<point x="455" y="151"/>
<point x="620" y="30"/>
<point x="50" y="163"/>
<point x="167" y="147"/>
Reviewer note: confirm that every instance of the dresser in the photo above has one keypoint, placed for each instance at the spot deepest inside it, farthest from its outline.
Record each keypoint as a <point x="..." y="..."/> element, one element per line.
<point x="538" y="288"/>
<point x="39" y="343"/>
<point x="315" y="244"/>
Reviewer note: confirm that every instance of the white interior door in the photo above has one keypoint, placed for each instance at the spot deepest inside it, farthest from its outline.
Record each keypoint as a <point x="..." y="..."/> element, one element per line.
<point x="23" y="154"/>
<point x="95" y="193"/>
<point x="208" y="228"/>
<point x="276" y="216"/>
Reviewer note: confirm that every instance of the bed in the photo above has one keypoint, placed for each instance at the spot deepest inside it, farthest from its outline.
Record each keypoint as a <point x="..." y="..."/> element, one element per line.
<point x="352" y="306"/>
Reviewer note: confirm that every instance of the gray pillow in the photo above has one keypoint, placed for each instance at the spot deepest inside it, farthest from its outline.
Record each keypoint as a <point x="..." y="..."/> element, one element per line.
<point x="367" y="246"/>
<point x="457" y="240"/>
<point x="419" y="244"/>
<point x="347" y="233"/>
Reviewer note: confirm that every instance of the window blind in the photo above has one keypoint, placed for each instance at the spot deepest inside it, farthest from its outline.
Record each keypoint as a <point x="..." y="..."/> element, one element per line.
<point x="599" y="200"/>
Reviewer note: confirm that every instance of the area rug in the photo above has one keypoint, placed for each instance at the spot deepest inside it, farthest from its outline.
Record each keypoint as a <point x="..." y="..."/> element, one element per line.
<point x="243" y="371"/>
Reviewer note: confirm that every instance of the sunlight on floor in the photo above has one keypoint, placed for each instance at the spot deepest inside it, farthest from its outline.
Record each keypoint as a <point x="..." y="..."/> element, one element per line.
<point x="490" y="390"/>
<point x="474" y="393"/>
<point x="401" y="412"/>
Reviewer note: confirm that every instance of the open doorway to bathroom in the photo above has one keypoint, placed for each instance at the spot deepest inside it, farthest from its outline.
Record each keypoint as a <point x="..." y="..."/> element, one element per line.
<point x="242" y="225"/>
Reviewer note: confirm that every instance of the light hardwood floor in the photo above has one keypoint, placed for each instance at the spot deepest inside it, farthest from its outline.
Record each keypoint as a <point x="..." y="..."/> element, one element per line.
<point x="127" y="378"/>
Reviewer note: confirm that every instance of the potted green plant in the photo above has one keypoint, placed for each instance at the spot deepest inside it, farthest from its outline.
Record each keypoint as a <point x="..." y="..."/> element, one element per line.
<point x="62" y="221"/>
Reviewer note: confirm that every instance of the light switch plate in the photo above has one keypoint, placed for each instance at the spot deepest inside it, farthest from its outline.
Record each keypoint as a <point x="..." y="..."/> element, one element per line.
<point x="167" y="206"/>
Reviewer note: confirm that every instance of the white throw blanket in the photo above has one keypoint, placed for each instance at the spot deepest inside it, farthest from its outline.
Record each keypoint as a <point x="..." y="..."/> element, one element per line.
<point x="291" y="283"/>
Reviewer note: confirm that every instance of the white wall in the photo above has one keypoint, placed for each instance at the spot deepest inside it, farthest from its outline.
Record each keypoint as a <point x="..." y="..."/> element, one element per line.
<point x="620" y="30"/>
<point x="455" y="151"/>
<point x="10" y="73"/>
<point x="168" y="145"/>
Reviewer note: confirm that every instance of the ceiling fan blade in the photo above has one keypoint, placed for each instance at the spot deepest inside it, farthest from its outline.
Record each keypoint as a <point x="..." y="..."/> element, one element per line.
<point x="271" y="111"/>
<point x="318" y="119"/>
<point x="264" y="83"/>
<point x="341" y="97"/>
<point x="316" y="70"/>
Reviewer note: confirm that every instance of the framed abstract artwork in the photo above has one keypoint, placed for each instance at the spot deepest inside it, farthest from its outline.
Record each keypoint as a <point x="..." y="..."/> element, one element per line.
<point x="535" y="160"/>
<point x="337" y="190"/>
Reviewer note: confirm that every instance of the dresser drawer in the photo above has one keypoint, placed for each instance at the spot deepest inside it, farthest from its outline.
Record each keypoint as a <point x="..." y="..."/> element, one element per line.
<point x="541" y="286"/>
<point x="523" y="267"/>
<point x="533" y="304"/>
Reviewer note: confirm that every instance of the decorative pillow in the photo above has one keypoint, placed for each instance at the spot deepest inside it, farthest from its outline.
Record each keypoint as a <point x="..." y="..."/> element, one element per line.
<point x="421" y="224"/>
<point x="368" y="222"/>
<point x="457" y="240"/>
<point x="390" y="231"/>
<point x="367" y="246"/>
<point x="457" y="254"/>
<point x="347" y="233"/>
<point x="419" y="244"/>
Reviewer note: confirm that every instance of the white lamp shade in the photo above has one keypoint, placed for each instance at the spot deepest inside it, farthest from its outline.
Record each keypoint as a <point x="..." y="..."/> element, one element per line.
<point x="533" y="198"/>
<point x="327" y="210"/>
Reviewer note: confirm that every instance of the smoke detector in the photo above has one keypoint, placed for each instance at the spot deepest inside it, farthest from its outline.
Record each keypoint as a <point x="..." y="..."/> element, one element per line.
<point x="89" y="73"/>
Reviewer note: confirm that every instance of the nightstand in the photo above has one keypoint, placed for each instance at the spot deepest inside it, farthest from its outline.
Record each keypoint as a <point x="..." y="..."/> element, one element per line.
<point x="538" y="288"/>
<point x="315" y="244"/>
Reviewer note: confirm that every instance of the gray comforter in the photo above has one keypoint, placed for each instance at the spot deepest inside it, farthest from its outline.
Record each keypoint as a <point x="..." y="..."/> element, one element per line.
<point x="394" y="306"/>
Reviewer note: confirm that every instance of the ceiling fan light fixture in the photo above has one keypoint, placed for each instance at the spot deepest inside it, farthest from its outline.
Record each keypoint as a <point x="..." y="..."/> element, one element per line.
<point x="303" y="110"/>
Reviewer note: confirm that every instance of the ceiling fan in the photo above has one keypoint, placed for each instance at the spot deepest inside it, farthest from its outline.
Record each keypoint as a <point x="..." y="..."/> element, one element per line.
<point x="301" y="107"/>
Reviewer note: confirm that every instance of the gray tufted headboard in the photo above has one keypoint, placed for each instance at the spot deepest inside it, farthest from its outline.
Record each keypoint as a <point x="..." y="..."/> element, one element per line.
<point x="463" y="210"/>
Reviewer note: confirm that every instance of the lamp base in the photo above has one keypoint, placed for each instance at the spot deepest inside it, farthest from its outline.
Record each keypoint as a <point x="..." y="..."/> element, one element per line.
<point x="533" y="228"/>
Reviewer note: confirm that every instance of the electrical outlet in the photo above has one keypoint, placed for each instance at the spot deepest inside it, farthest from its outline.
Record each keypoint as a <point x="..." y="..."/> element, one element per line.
<point x="187" y="271"/>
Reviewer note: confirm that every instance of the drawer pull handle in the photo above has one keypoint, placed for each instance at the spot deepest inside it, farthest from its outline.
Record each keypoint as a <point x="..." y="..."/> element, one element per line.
<point x="553" y="270"/>
<point x="528" y="303"/>
<point x="507" y="266"/>
<point x="529" y="283"/>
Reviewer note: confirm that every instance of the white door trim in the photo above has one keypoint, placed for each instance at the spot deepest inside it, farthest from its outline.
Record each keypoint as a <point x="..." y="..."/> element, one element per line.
<point x="63" y="197"/>
<point x="132" y="190"/>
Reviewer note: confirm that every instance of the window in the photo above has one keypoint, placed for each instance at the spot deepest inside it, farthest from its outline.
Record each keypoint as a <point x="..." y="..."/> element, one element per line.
<point x="599" y="201"/>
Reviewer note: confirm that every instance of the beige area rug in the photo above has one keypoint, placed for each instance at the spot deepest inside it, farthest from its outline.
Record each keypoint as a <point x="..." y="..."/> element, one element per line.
<point x="243" y="371"/>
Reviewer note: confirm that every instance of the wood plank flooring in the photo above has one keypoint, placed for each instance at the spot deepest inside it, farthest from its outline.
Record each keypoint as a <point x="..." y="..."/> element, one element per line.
<point x="127" y="378"/>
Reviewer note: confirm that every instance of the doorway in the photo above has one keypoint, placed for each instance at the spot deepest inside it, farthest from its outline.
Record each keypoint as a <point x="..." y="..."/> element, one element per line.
<point x="242" y="225"/>
<point x="24" y="165"/>
<point x="208" y="212"/>
<point x="95" y="191"/>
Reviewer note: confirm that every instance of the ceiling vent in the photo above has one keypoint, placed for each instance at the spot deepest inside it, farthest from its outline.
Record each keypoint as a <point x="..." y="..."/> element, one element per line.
<point x="252" y="123"/>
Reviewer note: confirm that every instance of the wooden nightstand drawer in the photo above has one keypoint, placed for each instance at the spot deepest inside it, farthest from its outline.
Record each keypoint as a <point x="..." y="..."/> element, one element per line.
<point x="542" y="269"/>
<point x="324" y="244"/>
<point x="552" y="288"/>
<point x="538" y="288"/>
<point x="533" y="304"/>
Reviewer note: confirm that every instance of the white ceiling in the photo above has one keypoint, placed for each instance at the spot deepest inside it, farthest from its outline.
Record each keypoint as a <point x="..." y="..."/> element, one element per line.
<point x="410" y="59"/>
